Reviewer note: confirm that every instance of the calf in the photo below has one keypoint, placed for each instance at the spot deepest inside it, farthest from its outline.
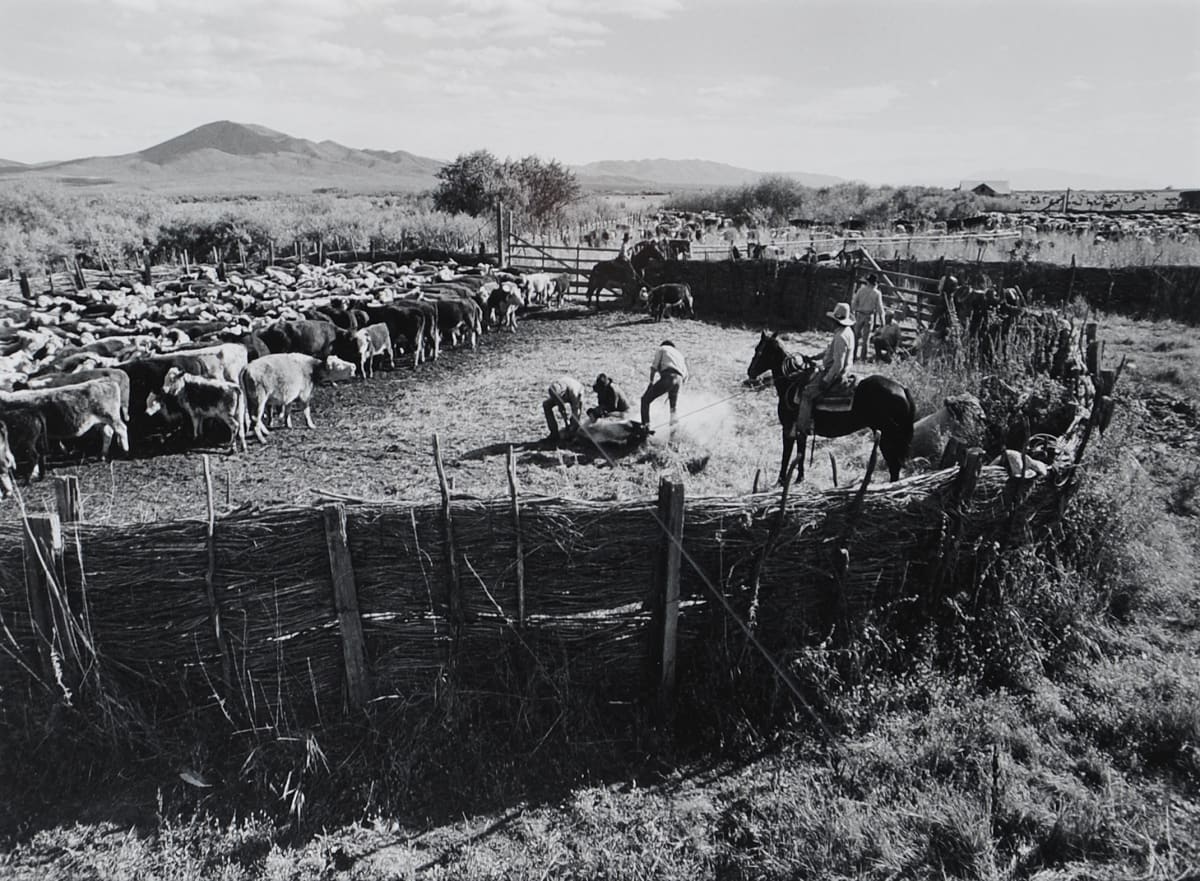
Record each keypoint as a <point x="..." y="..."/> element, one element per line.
<point x="202" y="398"/>
<point x="562" y="287"/>
<point x="373" y="340"/>
<point x="503" y="303"/>
<point x="666" y="296"/>
<point x="280" y="380"/>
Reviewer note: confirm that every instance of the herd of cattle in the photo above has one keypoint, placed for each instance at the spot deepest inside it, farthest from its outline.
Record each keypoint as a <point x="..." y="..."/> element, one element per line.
<point x="134" y="363"/>
<point x="1103" y="227"/>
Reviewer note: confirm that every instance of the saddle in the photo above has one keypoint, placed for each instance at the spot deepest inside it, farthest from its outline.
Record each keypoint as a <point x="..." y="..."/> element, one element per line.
<point x="837" y="400"/>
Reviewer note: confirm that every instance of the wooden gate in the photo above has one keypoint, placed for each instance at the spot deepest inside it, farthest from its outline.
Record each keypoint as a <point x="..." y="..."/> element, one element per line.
<point x="574" y="260"/>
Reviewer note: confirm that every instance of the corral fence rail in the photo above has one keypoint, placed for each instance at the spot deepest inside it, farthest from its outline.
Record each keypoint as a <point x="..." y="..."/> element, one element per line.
<point x="306" y="614"/>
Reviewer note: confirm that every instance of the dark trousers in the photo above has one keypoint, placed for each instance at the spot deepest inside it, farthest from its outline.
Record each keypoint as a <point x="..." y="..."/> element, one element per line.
<point x="669" y="384"/>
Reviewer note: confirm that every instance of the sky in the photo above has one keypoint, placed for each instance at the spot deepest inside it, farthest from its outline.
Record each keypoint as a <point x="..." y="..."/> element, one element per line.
<point x="886" y="91"/>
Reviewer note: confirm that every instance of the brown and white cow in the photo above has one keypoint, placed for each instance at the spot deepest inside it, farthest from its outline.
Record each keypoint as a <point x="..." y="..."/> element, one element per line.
<point x="200" y="398"/>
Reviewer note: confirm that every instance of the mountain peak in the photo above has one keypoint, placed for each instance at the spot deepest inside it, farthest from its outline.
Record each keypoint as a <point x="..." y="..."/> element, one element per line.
<point x="234" y="138"/>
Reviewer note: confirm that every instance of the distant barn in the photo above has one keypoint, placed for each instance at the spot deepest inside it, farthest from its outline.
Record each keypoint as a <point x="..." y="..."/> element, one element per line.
<point x="1189" y="200"/>
<point x="986" y="187"/>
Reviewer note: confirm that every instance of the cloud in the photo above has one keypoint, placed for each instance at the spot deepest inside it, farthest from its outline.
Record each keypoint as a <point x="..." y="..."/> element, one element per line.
<point x="1079" y="83"/>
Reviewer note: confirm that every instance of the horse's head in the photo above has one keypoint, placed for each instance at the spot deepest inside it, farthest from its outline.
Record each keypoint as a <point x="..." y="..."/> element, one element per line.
<point x="647" y="252"/>
<point x="768" y="355"/>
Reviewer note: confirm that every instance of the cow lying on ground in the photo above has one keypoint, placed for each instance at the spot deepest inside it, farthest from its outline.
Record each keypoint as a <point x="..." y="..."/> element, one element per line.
<point x="665" y="297"/>
<point x="202" y="398"/>
<point x="281" y="380"/>
<point x="374" y="340"/>
<point x="72" y="411"/>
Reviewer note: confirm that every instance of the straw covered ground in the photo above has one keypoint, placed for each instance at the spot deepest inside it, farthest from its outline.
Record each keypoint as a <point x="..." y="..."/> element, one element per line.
<point x="374" y="437"/>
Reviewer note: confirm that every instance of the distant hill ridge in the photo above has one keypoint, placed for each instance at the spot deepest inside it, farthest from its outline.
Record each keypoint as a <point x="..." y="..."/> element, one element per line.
<point x="692" y="172"/>
<point x="227" y="156"/>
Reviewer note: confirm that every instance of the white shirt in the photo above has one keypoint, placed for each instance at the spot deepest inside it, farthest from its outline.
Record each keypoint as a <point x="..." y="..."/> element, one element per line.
<point x="669" y="358"/>
<point x="567" y="390"/>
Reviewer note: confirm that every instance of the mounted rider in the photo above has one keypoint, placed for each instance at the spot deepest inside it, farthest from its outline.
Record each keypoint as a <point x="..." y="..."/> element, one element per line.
<point x="838" y="357"/>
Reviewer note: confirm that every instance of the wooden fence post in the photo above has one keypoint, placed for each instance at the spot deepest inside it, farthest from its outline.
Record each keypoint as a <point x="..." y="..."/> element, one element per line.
<point x="66" y="497"/>
<point x="26" y="291"/>
<point x="454" y="599"/>
<point x="501" y="262"/>
<point x="210" y="574"/>
<point x="43" y="563"/>
<point x="665" y="591"/>
<point x="1092" y="351"/>
<point x="345" y="599"/>
<point x="516" y="516"/>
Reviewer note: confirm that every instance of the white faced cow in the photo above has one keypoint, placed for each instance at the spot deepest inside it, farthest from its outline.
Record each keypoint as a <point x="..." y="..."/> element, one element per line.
<point x="285" y="379"/>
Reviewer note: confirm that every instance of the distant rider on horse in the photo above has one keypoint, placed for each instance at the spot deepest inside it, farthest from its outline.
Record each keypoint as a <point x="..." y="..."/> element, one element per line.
<point x="838" y="357"/>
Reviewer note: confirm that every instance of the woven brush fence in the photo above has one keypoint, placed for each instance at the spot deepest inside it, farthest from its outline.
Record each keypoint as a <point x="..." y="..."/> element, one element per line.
<point x="298" y="615"/>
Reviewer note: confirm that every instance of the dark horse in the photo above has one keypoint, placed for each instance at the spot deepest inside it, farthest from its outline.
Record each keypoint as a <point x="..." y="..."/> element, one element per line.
<point x="879" y="403"/>
<point x="618" y="275"/>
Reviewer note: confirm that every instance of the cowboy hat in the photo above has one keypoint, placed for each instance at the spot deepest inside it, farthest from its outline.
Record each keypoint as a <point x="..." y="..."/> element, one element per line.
<point x="841" y="314"/>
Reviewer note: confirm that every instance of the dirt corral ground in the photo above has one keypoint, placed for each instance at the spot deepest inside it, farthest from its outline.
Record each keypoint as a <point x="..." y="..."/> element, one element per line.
<point x="374" y="437"/>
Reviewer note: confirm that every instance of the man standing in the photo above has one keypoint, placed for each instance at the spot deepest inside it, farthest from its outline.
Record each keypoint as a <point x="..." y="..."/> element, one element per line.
<point x="867" y="304"/>
<point x="838" y="357"/>
<point x="609" y="398"/>
<point x="563" y="392"/>
<point x="671" y="370"/>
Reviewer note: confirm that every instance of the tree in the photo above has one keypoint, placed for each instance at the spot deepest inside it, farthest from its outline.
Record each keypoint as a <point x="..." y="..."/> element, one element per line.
<point x="537" y="190"/>
<point x="471" y="184"/>
<point x="544" y="188"/>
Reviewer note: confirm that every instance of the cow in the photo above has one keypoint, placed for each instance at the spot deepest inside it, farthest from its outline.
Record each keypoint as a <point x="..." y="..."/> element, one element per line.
<point x="562" y="287"/>
<point x="72" y="411"/>
<point x="664" y="297"/>
<point x="280" y="380"/>
<point x="319" y="339"/>
<point x="537" y="287"/>
<point x="457" y="314"/>
<point x="57" y="380"/>
<point x="8" y="465"/>
<point x="373" y="340"/>
<point x="407" y="321"/>
<point x="503" y="303"/>
<point x="25" y="435"/>
<point x="202" y="398"/>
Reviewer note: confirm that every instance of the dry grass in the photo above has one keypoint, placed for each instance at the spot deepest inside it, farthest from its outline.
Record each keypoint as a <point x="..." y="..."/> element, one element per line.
<point x="1084" y="765"/>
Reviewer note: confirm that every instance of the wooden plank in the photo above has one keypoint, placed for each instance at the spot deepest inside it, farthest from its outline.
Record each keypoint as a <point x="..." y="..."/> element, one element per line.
<point x="665" y="620"/>
<point x="345" y="599"/>
<point x="66" y="498"/>
<point x="43" y="551"/>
